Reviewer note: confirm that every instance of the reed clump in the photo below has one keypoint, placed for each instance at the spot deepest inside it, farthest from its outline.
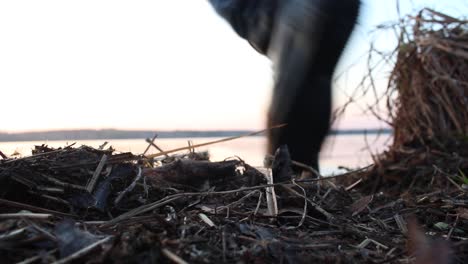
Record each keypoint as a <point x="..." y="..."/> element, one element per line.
<point x="426" y="106"/>
<point x="431" y="79"/>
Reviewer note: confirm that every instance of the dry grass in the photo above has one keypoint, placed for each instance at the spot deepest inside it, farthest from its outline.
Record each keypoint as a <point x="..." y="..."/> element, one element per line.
<point x="426" y="105"/>
<point x="431" y="78"/>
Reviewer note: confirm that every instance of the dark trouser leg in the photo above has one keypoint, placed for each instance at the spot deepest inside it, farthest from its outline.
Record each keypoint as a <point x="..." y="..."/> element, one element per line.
<point x="301" y="97"/>
<point x="307" y="121"/>
<point x="307" y="41"/>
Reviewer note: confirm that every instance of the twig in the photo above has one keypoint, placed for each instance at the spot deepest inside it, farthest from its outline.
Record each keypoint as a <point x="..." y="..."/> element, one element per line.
<point x="368" y="241"/>
<point x="50" y="189"/>
<point x="83" y="251"/>
<point x="401" y="223"/>
<point x="206" y="219"/>
<point x="42" y="230"/>
<point x="101" y="147"/>
<point x="173" y="257"/>
<point x="329" y="216"/>
<point x="151" y="143"/>
<point x="190" y="144"/>
<point x="55" y="199"/>
<point x="157" y="147"/>
<point x="3" y="155"/>
<point x="13" y="234"/>
<point x="63" y="184"/>
<point x="212" y="142"/>
<point x="25" y="215"/>
<point x="305" y="204"/>
<point x="272" y="203"/>
<point x="338" y="176"/>
<point x="37" y="257"/>
<point x="129" y="188"/>
<point x="258" y="203"/>
<point x="453" y="228"/>
<point x="33" y="208"/>
<point x="96" y="174"/>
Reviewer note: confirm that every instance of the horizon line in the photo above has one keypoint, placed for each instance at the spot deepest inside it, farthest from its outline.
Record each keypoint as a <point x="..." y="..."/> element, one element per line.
<point x="108" y="134"/>
<point x="170" y="130"/>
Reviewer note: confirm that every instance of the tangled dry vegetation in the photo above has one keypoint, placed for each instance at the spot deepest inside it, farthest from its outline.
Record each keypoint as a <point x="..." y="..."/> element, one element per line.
<point x="86" y="205"/>
<point x="427" y="107"/>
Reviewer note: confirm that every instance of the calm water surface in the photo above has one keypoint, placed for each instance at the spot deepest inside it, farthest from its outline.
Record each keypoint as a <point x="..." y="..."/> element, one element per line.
<point x="351" y="151"/>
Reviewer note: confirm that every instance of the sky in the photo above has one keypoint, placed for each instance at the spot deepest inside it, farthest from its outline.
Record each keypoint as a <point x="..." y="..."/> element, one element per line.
<point x="158" y="65"/>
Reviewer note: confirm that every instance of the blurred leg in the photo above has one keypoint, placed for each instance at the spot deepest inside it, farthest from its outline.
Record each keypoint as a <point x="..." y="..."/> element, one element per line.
<point x="307" y="41"/>
<point x="304" y="39"/>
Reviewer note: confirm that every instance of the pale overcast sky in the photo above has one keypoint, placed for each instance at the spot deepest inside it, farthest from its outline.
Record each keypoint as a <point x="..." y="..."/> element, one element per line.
<point x="161" y="64"/>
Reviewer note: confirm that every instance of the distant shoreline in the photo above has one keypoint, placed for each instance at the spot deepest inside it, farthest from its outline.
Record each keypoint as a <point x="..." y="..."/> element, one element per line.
<point x="133" y="134"/>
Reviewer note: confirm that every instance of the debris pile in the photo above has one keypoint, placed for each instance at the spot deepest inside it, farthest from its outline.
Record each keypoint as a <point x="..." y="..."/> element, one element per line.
<point x="96" y="206"/>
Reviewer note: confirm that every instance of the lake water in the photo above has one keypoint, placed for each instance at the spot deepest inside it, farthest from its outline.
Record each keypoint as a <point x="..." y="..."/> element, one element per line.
<point x="351" y="151"/>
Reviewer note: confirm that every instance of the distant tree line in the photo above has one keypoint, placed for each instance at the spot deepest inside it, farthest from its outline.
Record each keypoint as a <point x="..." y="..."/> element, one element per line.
<point x="88" y="134"/>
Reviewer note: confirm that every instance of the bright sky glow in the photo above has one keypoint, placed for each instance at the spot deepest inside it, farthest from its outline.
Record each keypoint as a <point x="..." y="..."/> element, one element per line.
<point x="164" y="64"/>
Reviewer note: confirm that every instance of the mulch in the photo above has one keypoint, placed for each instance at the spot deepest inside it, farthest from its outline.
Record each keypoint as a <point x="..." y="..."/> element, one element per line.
<point x="186" y="209"/>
